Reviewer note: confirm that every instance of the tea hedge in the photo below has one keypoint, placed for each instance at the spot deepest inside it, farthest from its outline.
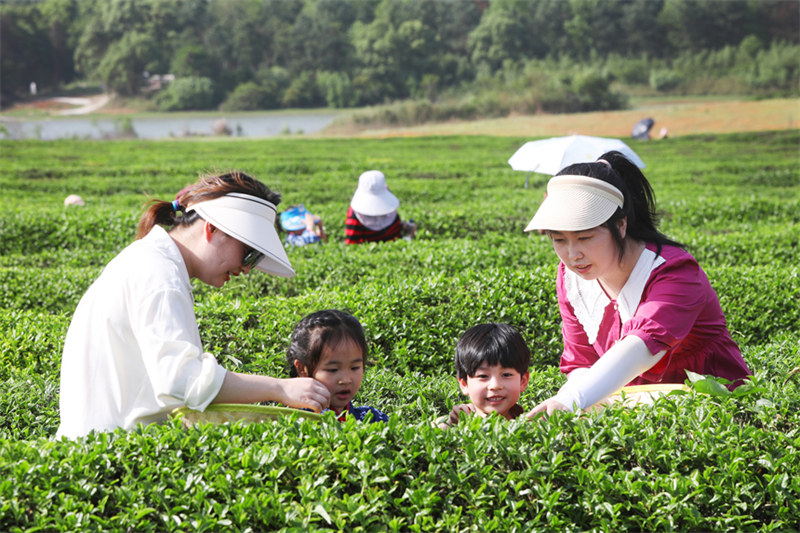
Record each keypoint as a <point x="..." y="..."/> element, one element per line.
<point x="691" y="462"/>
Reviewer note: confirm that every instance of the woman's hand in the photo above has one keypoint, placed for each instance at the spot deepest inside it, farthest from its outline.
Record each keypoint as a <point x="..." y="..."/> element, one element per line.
<point x="300" y="393"/>
<point x="546" y="408"/>
<point x="305" y="393"/>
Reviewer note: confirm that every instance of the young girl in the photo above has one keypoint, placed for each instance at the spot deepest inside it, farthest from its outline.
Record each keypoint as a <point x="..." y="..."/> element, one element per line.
<point x="330" y="347"/>
<point x="636" y="308"/>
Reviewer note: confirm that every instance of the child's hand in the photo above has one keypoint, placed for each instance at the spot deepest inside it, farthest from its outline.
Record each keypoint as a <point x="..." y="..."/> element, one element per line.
<point x="311" y="221"/>
<point x="305" y="393"/>
<point x="467" y="408"/>
<point x="546" y="408"/>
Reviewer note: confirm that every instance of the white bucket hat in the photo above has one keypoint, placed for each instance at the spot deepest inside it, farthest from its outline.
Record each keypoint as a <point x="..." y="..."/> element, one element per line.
<point x="373" y="197"/>
<point x="576" y="203"/>
<point x="250" y="220"/>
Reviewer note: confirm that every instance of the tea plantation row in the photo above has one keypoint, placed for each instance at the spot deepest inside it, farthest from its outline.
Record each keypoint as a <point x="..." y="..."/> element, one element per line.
<point x="693" y="462"/>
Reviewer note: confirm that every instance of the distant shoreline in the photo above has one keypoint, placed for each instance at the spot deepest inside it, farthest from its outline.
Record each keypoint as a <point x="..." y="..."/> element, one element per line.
<point x="683" y="116"/>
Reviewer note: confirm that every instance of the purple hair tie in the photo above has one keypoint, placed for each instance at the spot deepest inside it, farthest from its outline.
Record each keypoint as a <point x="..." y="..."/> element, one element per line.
<point x="176" y="206"/>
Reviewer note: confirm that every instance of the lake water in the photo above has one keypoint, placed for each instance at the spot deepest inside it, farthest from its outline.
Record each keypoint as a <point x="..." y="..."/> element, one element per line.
<point x="251" y="125"/>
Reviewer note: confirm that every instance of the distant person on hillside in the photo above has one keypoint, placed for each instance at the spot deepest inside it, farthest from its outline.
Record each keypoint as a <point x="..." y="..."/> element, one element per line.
<point x="372" y="216"/>
<point x="491" y="363"/>
<point x="330" y="347"/>
<point x="133" y="352"/>
<point x="636" y="308"/>
<point x="302" y="227"/>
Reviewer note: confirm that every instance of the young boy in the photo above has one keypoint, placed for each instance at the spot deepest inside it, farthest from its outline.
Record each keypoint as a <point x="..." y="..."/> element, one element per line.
<point x="492" y="368"/>
<point x="302" y="227"/>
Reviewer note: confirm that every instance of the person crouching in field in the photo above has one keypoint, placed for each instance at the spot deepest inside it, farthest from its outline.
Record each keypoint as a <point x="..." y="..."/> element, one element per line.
<point x="372" y="216"/>
<point x="492" y="363"/>
<point x="133" y="353"/>
<point x="330" y="346"/>
<point x="636" y="308"/>
<point x="302" y="227"/>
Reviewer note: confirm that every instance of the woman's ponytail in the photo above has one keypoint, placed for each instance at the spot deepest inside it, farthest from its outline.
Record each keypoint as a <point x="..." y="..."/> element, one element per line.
<point x="158" y="212"/>
<point x="642" y="215"/>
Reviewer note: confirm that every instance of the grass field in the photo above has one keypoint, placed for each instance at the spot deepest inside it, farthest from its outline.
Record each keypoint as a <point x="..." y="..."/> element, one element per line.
<point x="680" y="116"/>
<point x="694" y="462"/>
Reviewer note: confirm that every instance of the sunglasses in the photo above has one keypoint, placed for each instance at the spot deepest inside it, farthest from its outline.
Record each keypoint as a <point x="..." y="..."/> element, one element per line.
<point x="251" y="258"/>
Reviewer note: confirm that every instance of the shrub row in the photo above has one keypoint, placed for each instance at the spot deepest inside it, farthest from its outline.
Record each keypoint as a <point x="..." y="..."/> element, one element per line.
<point x="674" y="466"/>
<point x="412" y="320"/>
<point x="691" y="463"/>
<point x="29" y="395"/>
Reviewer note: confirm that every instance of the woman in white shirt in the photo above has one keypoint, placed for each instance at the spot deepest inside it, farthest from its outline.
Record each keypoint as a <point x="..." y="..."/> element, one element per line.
<point x="133" y="351"/>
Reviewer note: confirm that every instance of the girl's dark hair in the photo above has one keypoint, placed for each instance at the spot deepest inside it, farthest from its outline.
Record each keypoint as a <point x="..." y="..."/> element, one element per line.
<point x="319" y="329"/>
<point x="639" y="205"/>
<point x="206" y="188"/>
<point x="493" y="344"/>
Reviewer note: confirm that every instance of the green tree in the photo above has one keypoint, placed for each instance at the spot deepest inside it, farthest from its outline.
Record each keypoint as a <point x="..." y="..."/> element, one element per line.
<point x="320" y="37"/>
<point x="303" y="92"/>
<point x="593" y="90"/>
<point x="396" y="49"/>
<point x="695" y="25"/>
<point x="26" y="52"/>
<point x="640" y="31"/>
<point x="194" y="60"/>
<point x="505" y="33"/>
<point x="138" y="35"/>
<point x="546" y="28"/>
<point x="122" y="66"/>
<point x="273" y="81"/>
<point x="192" y="93"/>
<point x="249" y="35"/>
<point x="337" y="88"/>
<point x="499" y="37"/>
<point x="63" y="19"/>
<point x="248" y="96"/>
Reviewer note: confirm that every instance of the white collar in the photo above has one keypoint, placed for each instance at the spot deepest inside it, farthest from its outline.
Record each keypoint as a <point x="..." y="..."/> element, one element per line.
<point x="589" y="300"/>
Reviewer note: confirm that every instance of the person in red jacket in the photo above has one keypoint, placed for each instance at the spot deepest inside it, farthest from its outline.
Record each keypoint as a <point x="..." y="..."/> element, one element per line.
<point x="372" y="215"/>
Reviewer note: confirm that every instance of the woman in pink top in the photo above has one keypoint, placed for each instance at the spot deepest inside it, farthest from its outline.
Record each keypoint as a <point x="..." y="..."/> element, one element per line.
<point x="636" y="307"/>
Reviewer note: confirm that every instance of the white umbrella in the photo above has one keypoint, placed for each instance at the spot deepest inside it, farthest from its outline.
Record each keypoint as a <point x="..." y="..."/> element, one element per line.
<point x="549" y="156"/>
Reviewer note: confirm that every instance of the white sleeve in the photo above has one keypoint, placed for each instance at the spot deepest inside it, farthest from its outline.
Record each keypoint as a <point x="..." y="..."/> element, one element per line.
<point x="628" y="358"/>
<point x="172" y="353"/>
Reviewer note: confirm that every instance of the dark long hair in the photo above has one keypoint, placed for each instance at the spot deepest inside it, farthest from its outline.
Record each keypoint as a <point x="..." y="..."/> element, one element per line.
<point x="168" y="213"/>
<point x="639" y="205"/>
<point x="323" y="328"/>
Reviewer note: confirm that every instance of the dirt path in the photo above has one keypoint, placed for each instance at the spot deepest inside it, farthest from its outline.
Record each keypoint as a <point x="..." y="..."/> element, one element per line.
<point x="85" y="105"/>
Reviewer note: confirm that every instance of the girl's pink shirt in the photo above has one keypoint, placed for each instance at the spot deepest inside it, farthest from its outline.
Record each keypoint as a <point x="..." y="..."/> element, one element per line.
<point x="678" y="312"/>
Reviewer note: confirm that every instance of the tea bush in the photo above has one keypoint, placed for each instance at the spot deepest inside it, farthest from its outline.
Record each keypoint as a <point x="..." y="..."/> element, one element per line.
<point x="691" y="462"/>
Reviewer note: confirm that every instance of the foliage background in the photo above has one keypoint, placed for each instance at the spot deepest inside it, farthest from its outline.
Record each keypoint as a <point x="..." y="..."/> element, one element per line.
<point x="452" y="58"/>
<point x="694" y="462"/>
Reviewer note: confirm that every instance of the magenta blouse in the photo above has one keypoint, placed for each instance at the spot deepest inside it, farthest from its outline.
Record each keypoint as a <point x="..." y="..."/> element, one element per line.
<point x="667" y="302"/>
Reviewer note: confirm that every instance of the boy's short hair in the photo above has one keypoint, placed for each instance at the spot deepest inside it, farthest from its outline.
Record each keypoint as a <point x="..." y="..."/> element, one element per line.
<point x="493" y="344"/>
